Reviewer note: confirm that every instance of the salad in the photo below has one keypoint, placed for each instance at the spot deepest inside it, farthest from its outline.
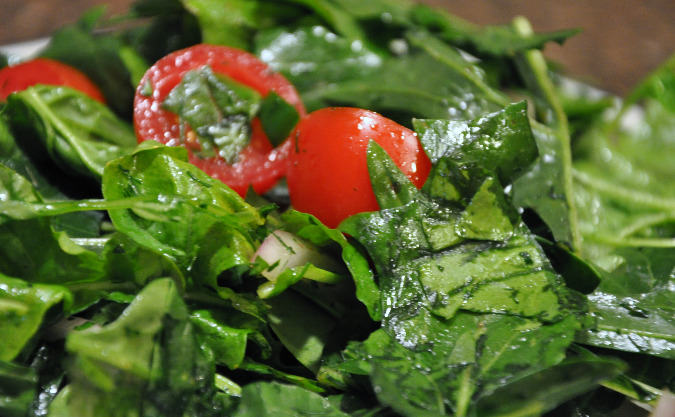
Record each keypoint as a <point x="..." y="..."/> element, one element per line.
<point x="334" y="208"/>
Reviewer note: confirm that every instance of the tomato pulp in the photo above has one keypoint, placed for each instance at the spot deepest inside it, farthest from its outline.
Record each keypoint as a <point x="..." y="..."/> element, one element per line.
<point x="259" y="165"/>
<point x="328" y="172"/>
<point x="45" y="71"/>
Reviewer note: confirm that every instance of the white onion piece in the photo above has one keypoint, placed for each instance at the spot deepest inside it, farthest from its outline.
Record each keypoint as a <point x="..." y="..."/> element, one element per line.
<point x="283" y="250"/>
<point x="665" y="407"/>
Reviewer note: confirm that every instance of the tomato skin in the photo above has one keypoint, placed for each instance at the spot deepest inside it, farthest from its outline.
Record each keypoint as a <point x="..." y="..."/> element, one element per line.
<point x="45" y="71"/>
<point x="328" y="173"/>
<point x="259" y="165"/>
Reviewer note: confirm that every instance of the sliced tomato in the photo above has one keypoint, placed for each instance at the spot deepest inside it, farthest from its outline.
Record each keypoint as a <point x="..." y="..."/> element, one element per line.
<point x="259" y="165"/>
<point x="328" y="172"/>
<point x="45" y="71"/>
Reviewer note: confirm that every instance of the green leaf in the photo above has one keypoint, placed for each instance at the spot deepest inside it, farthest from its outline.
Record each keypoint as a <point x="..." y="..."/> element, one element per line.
<point x="97" y="54"/>
<point x="234" y="22"/>
<point x="502" y="141"/>
<point x="80" y="134"/>
<point x="278" y="118"/>
<point x="147" y="360"/>
<point x="302" y="327"/>
<point x="555" y="385"/>
<point x="627" y="221"/>
<point x="17" y="389"/>
<point x="397" y="190"/>
<point x="466" y="282"/>
<point x="23" y="308"/>
<point x="45" y="181"/>
<point x="641" y="323"/>
<point x="216" y="108"/>
<point x="226" y="333"/>
<point x="548" y="187"/>
<point x="194" y="204"/>
<point x="262" y="399"/>
<point x="491" y="40"/>
<point x="428" y="81"/>
<point x="59" y="260"/>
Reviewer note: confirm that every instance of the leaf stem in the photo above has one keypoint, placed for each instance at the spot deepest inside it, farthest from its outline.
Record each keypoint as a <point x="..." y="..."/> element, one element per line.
<point x="533" y="62"/>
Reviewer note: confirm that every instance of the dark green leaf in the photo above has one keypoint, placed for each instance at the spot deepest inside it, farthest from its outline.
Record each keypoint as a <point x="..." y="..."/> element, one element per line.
<point x="262" y="399"/>
<point x="98" y="56"/>
<point x="493" y="40"/>
<point x="278" y="118"/>
<point x="17" y="389"/>
<point x="77" y="132"/>
<point x="460" y="282"/>
<point x="216" y="108"/>
<point x="500" y="142"/>
<point x="22" y="309"/>
<point x="194" y="204"/>
<point x="147" y="360"/>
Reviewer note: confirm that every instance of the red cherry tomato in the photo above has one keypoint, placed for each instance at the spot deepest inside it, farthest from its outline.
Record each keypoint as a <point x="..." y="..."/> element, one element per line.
<point x="45" y="71"/>
<point x="328" y="172"/>
<point x="259" y="165"/>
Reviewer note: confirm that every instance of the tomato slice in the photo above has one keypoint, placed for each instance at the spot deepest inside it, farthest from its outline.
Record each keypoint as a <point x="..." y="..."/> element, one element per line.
<point x="328" y="171"/>
<point x="45" y="71"/>
<point x="259" y="165"/>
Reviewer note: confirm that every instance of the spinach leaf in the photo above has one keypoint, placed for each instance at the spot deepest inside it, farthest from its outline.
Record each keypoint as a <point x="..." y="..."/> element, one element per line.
<point x="331" y="70"/>
<point x="46" y="182"/>
<point x="234" y="22"/>
<point x="460" y="283"/>
<point x="17" y="389"/>
<point x="626" y="207"/>
<point x="275" y="399"/>
<point x="218" y="109"/>
<point x="491" y="40"/>
<point x="501" y="142"/>
<point x="59" y="260"/>
<point x="149" y="359"/>
<point x="97" y="53"/>
<point x="23" y="307"/>
<point x="78" y="133"/>
<point x="194" y="205"/>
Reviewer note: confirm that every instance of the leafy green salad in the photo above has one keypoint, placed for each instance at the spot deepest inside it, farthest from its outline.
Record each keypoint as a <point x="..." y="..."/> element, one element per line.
<point x="532" y="274"/>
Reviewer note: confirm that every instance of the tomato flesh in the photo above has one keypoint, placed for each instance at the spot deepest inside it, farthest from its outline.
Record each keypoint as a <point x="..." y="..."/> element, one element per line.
<point x="45" y="71"/>
<point x="259" y="165"/>
<point x="328" y="172"/>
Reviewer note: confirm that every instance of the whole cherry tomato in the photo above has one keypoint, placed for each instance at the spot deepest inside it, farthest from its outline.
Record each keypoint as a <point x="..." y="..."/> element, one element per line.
<point x="45" y="71"/>
<point x="328" y="173"/>
<point x="260" y="164"/>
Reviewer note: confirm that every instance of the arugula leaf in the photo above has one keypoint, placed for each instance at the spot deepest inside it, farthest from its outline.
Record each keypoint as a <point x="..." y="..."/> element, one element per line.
<point x="547" y="188"/>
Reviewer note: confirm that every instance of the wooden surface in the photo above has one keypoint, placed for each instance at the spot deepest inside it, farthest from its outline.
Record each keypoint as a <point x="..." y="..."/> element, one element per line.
<point x="621" y="42"/>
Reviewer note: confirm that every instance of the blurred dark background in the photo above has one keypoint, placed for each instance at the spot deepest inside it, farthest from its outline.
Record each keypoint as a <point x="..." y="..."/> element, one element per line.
<point x="622" y="40"/>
